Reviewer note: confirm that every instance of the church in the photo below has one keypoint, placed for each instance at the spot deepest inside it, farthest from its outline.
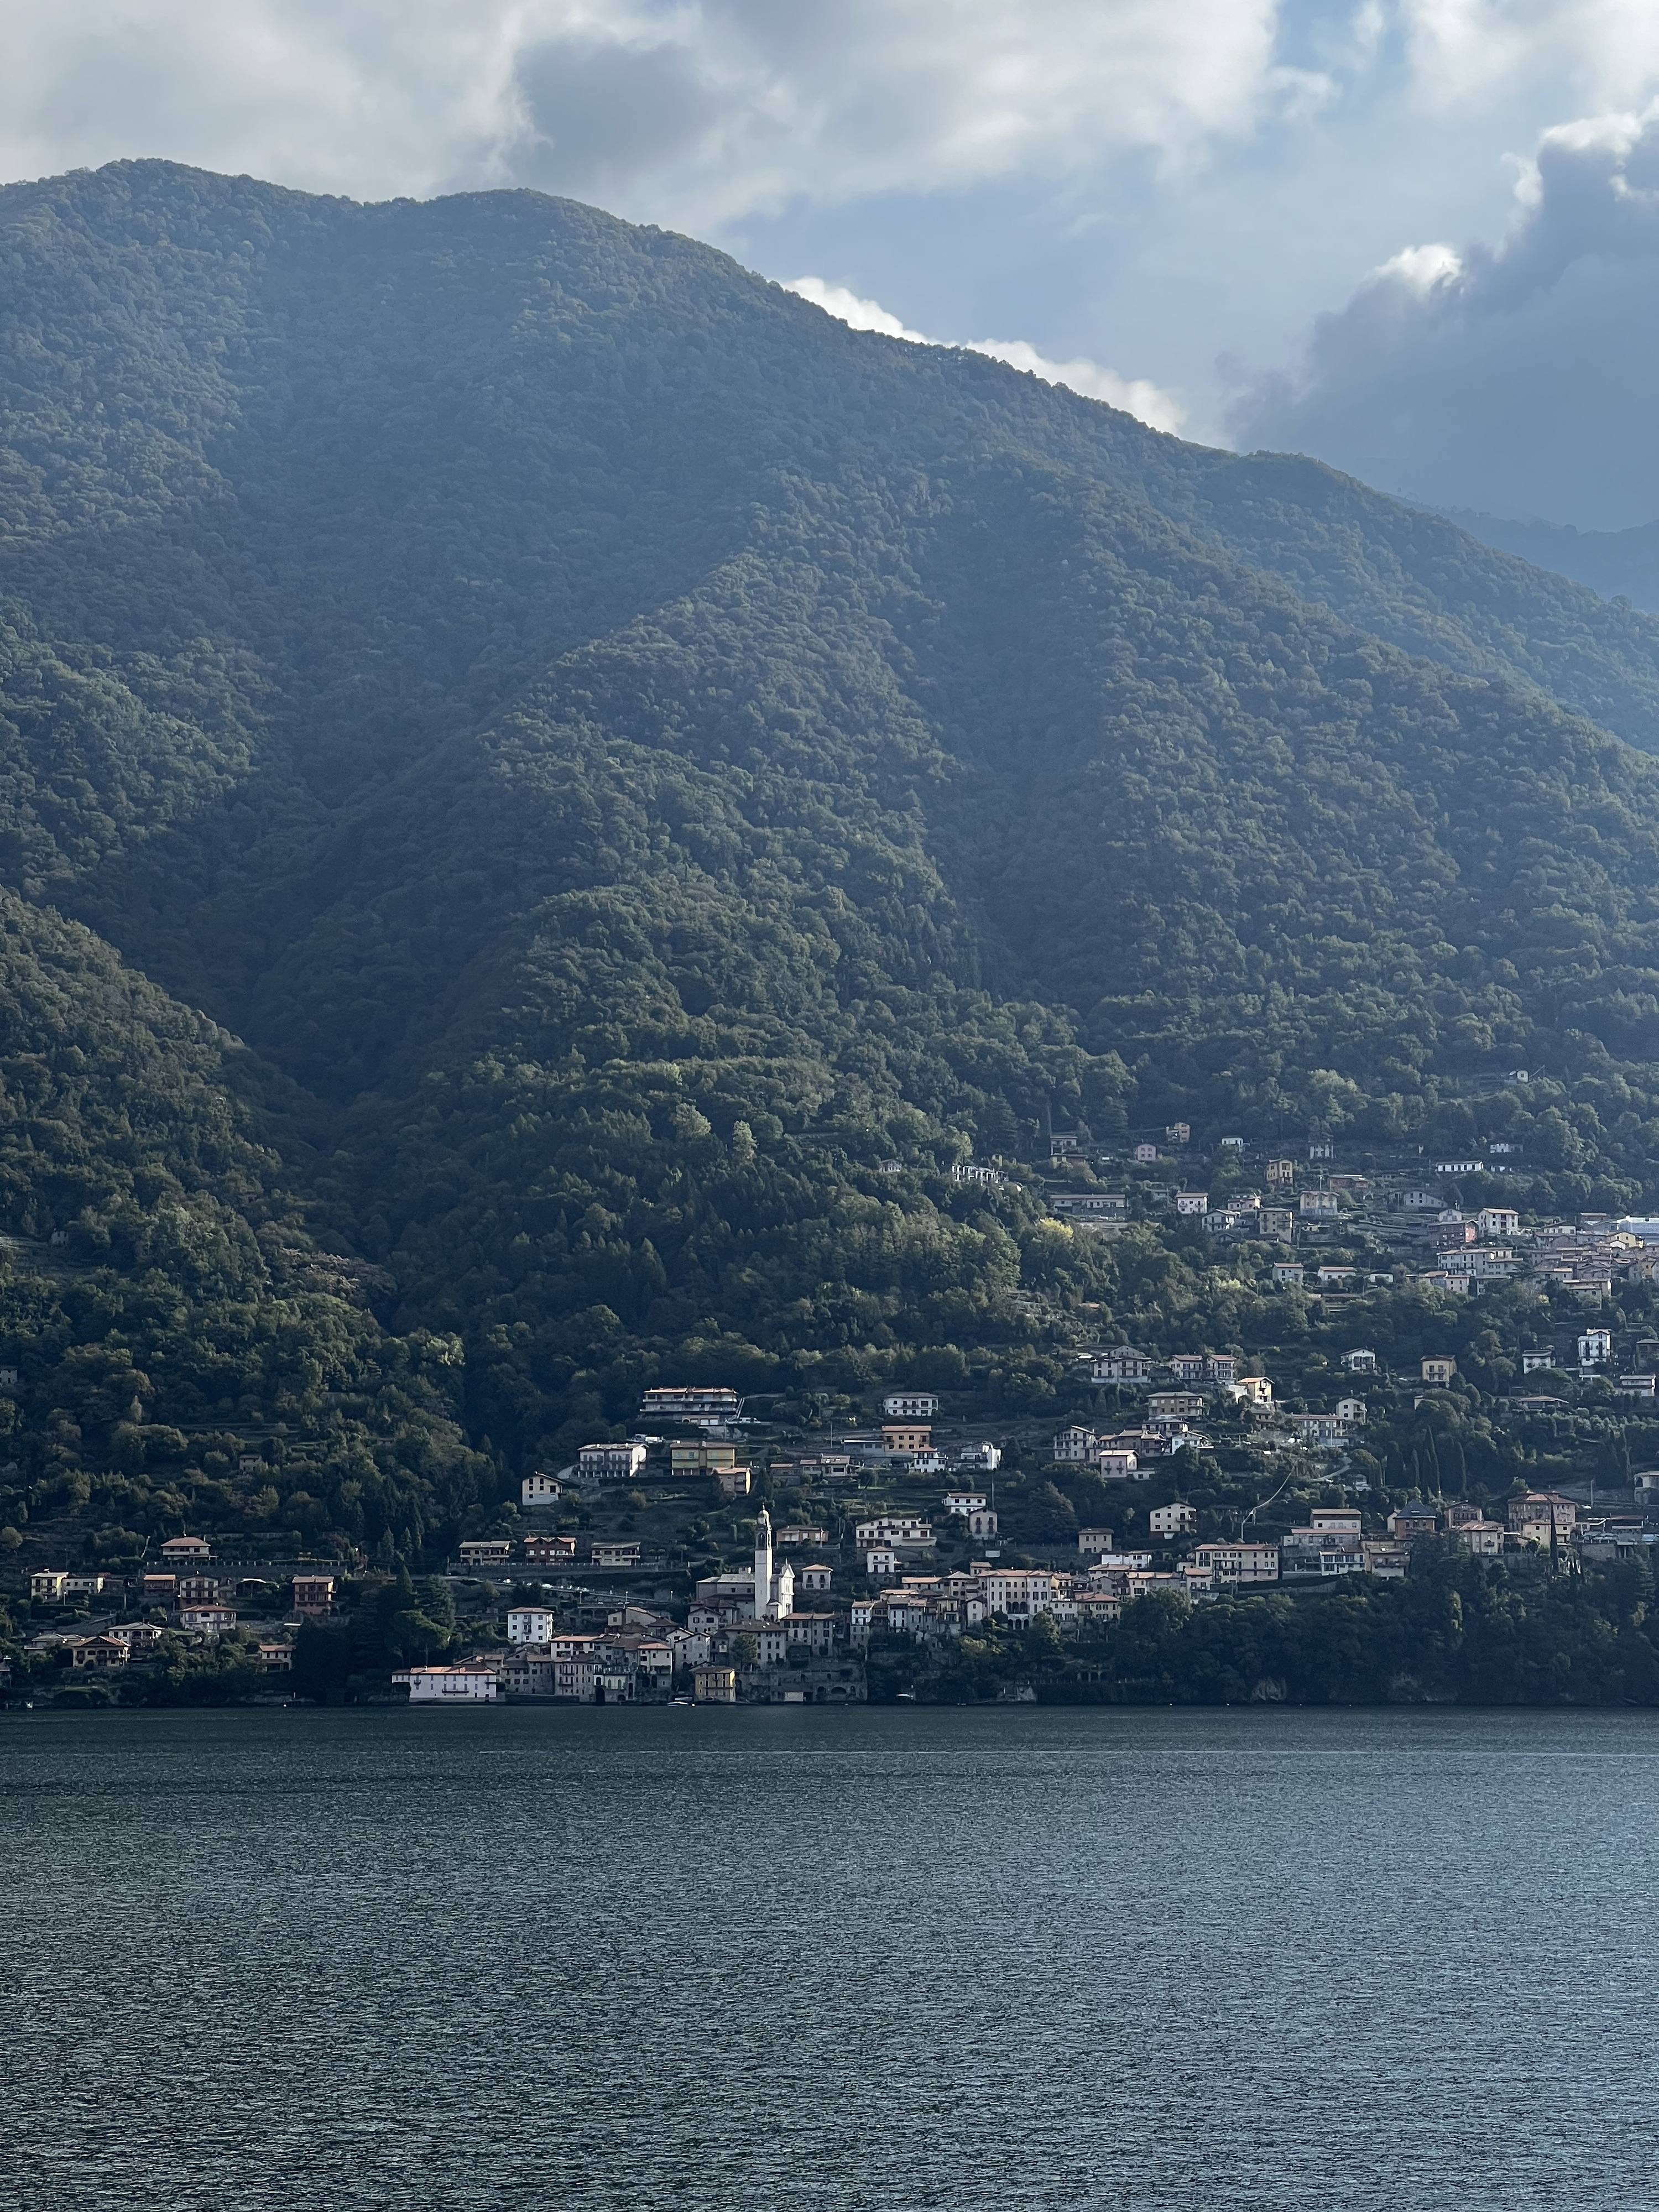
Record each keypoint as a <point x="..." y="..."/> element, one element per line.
<point x="774" y="1591"/>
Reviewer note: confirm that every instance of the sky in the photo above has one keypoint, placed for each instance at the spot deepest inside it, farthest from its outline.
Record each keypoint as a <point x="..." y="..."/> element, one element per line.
<point x="1419" y="238"/>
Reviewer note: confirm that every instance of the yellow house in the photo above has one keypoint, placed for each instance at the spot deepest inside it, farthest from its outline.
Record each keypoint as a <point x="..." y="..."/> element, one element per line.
<point x="1439" y="1371"/>
<point x="690" y="1456"/>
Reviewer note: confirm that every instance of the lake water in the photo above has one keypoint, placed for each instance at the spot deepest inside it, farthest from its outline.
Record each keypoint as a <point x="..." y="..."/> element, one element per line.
<point x="538" y="1959"/>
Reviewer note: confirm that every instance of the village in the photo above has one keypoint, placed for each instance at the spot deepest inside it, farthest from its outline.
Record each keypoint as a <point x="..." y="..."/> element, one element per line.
<point x="599" y="1622"/>
<point x="616" y="1583"/>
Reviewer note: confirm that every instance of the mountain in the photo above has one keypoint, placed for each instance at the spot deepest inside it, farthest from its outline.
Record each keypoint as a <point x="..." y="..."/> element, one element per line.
<point x="1617" y="563"/>
<point x="582" y="762"/>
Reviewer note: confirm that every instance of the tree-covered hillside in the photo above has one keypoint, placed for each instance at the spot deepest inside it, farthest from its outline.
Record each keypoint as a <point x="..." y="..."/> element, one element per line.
<point x="641" y="779"/>
<point x="1617" y="563"/>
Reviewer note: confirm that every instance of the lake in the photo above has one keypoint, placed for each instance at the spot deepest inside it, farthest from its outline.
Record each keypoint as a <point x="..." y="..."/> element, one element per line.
<point x="788" y="1957"/>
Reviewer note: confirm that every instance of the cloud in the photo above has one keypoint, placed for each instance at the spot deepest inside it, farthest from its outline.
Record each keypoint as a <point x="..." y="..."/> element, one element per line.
<point x="1516" y="379"/>
<point x="1139" y="396"/>
<point x="852" y="97"/>
<point x="1173" y="180"/>
<point x="701" y="112"/>
<point x="1160" y="409"/>
<point x="693" y="111"/>
<point x="847" y="307"/>
<point x="1464" y="51"/>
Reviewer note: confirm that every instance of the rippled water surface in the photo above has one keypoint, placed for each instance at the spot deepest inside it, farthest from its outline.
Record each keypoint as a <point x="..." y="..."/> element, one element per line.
<point x="532" y="1959"/>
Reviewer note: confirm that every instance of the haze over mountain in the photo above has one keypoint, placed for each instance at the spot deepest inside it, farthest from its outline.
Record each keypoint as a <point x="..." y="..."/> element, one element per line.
<point x="536" y="763"/>
<point x="1617" y="563"/>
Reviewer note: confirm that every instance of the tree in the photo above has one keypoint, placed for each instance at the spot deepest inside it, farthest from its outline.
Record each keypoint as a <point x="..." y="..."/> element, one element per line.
<point x="322" y="1663"/>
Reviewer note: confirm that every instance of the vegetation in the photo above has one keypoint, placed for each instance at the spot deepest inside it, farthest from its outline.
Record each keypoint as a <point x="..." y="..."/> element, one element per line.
<point x="549" y="793"/>
<point x="1456" y="1631"/>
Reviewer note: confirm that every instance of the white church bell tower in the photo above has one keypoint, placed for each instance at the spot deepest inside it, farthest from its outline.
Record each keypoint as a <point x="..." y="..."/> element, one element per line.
<point x="774" y="1593"/>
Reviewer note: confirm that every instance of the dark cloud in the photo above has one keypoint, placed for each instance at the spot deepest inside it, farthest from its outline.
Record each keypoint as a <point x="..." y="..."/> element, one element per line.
<point x="1519" y="379"/>
<point x="599" y="112"/>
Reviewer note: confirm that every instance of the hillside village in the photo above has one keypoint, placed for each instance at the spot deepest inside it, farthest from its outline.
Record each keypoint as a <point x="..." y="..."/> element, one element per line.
<point x="716" y="1552"/>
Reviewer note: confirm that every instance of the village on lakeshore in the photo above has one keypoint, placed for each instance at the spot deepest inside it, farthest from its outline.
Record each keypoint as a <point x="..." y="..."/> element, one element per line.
<point x="909" y="1513"/>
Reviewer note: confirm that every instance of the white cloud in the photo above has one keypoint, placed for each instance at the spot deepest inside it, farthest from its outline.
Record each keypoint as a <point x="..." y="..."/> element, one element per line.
<point x="1596" y="52"/>
<point x="1136" y="396"/>
<point x="1418" y="269"/>
<point x="850" y="97"/>
<point x="847" y="307"/>
<point x="1139" y="396"/>
<point x="1515" y="379"/>
<point x="693" y="110"/>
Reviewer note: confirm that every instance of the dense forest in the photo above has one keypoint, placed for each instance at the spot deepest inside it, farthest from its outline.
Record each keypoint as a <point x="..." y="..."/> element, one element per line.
<point x="550" y="792"/>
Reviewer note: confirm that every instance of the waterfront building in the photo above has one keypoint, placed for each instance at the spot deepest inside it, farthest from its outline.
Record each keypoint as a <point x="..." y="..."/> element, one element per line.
<point x="471" y="1682"/>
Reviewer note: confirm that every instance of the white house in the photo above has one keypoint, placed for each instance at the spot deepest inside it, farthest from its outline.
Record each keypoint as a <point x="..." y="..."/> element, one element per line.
<point x="1203" y="1367"/>
<point x="1107" y="1568"/>
<point x="909" y="1406"/>
<point x="1093" y="1207"/>
<point x="679" y="1402"/>
<point x="530" y="1624"/>
<point x="881" y="1563"/>
<point x="1351" y="1409"/>
<point x="1253" y="1389"/>
<point x="901" y="1530"/>
<point x="1324" y="1431"/>
<point x="1239" y="1562"/>
<point x="986" y="1457"/>
<point x="540" y="1490"/>
<point x="207" y="1619"/>
<point x="964" y="1502"/>
<point x="610" y="1462"/>
<point x="1178" y="1520"/>
<point x="1360" y="1363"/>
<point x="1116" y="1462"/>
<point x="1074" y="1446"/>
<point x="474" y="1681"/>
<point x="1192" y="1202"/>
<point x="481" y="1555"/>
<point x="1120" y="1365"/>
<point x="1022" y="1593"/>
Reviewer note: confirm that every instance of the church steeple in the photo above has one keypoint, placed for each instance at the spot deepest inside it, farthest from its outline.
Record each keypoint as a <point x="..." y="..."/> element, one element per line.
<point x="763" y="1567"/>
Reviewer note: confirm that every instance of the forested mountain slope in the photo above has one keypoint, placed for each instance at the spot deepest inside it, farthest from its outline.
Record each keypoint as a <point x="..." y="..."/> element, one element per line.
<point x="1617" y="563"/>
<point x="627" y="756"/>
<point x="1419" y="581"/>
<point x="162" y="1300"/>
